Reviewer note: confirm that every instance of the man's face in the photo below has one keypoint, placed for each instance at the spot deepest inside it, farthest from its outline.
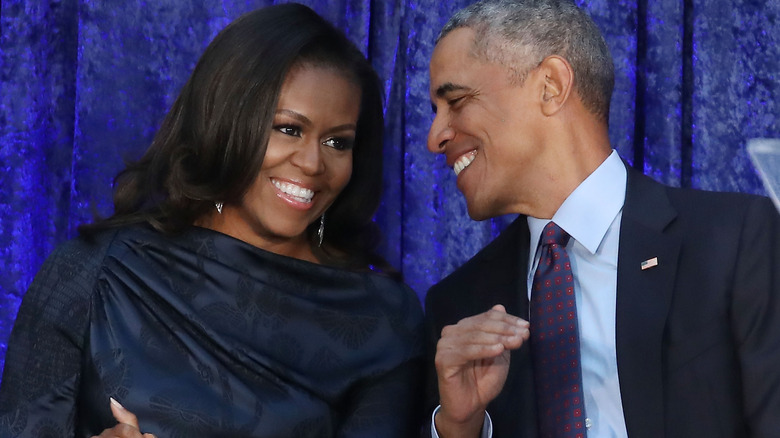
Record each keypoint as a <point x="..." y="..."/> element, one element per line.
<point x="488" y="128"/>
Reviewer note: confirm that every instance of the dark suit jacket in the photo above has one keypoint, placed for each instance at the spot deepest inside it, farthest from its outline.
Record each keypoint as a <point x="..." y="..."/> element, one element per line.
<point x="698" y="336"/>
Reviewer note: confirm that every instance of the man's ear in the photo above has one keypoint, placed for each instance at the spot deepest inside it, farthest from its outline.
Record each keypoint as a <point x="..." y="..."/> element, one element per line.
<point x="558" y="83"/>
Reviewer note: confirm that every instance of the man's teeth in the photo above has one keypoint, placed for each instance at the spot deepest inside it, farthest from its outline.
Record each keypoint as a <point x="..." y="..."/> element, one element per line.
<point x="299" y="193"/>
<point x="463" y="162"/>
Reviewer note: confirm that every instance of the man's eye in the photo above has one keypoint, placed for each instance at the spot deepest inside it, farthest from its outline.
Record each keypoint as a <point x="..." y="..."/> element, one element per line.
<point x="290" y="130"/>
<point x="455" y="101"/>
<point x="338" y="143"/>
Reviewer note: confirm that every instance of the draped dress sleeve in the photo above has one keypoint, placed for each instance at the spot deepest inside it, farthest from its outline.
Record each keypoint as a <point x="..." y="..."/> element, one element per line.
<point x="38" y="393"/>
<point x="389" y="404"/>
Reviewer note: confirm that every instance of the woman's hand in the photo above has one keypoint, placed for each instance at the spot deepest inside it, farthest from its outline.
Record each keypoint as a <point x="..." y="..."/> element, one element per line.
<point x="127" y="427"/>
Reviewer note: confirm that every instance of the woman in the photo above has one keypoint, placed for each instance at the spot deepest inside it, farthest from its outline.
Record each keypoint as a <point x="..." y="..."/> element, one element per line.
<point x="233" y="291"/>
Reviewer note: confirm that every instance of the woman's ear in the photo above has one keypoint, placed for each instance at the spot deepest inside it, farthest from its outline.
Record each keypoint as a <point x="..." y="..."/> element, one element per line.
<point x="558" y="83"/>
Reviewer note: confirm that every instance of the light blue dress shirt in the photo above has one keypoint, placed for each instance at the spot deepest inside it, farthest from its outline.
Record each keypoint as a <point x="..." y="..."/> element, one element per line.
<point x="591" y="215"/>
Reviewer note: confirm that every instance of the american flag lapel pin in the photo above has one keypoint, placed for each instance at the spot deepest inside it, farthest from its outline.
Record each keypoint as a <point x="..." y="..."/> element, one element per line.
<point x="649" y="263"/>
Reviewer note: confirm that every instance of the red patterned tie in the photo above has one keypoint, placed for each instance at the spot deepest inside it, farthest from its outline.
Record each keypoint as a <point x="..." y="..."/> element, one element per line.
<point x="555" y="341"/>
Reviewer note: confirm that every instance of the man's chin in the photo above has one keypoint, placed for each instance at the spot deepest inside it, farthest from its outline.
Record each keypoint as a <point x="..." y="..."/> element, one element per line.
<point x="484" y="210"/>
<point x="476" y="213"/>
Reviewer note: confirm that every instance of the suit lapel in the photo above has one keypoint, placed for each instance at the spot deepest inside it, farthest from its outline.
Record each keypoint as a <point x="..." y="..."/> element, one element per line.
<point x="643" y="300"/>
<point x="505" y="265"/>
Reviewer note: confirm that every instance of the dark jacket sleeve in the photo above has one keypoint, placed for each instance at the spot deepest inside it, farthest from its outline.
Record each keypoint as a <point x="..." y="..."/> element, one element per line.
<point x="755" y="313"/>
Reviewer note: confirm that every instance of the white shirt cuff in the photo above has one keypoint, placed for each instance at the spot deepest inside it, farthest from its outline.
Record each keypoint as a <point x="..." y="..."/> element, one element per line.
<point x="487" y="425"/>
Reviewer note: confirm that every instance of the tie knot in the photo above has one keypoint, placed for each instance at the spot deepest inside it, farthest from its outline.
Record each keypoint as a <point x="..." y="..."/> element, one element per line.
<point x="554" y="234"/>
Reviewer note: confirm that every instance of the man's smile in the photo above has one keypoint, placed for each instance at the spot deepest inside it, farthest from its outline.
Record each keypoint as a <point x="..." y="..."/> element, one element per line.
<point x="464" y="161"/>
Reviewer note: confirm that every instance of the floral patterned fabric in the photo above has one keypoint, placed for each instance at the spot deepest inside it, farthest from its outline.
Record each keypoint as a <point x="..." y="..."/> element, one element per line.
<point x="204" y="335"/>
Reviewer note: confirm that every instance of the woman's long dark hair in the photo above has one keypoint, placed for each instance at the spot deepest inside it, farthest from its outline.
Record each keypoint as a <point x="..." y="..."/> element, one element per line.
<point x="211" y="144"/>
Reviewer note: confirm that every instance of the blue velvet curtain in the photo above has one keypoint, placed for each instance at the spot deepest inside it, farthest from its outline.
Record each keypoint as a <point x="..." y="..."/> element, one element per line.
<point x="84" y="84"/>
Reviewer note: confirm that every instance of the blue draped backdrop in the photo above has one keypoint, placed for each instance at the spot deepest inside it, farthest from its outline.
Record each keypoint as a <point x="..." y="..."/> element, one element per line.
<point x="84" y="84"/>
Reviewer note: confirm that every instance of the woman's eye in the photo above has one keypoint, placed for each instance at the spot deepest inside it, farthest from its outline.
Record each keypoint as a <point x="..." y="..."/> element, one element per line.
<point x="290" y="130"/>
<point x="341" y="144"/>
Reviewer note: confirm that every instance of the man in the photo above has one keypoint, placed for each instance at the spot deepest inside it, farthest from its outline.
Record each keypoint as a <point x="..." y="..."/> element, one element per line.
<point x="676" y="328"/>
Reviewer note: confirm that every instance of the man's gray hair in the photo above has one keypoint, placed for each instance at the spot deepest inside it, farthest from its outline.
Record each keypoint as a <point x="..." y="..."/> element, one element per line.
<point x="520" y="34"/>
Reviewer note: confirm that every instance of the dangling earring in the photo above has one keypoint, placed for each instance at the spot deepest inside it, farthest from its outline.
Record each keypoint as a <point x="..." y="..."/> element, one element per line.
<point x="219" y="207"/>
<point x="321" y="230"/>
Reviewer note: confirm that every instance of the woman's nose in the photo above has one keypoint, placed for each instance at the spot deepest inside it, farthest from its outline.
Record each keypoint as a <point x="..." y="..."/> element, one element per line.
<point x="309" y="158"/>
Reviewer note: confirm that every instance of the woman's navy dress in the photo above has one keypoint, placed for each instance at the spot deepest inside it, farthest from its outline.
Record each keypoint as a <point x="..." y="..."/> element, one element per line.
<point x="202" y="335"/>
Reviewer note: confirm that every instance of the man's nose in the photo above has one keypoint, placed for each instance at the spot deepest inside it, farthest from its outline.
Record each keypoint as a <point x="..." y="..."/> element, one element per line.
<point x="440" y="133"/>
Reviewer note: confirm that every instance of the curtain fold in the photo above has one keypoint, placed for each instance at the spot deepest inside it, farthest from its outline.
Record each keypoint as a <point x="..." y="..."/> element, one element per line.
<point x="85" y="83"/>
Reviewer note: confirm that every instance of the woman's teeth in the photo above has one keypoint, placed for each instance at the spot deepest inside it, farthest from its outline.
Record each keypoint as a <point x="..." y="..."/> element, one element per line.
<point x="299" y="193"/>
<point x="463" y="162"/>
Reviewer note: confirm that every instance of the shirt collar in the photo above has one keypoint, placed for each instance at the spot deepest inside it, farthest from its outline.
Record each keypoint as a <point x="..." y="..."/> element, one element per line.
<point x="591" y="208"/>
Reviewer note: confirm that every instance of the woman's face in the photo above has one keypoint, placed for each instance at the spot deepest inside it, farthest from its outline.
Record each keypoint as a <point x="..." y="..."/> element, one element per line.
<point x="307" y="164"/>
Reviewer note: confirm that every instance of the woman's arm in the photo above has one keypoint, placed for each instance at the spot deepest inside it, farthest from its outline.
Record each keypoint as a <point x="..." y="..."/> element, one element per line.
<point x="42" y="370"/>
<point x="388" y="405"/>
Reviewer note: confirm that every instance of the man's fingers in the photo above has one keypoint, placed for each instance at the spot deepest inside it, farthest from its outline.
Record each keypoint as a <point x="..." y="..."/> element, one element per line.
<point x="483" y="328"/>
<point x="460" y="349"/>
<point x="122" y="415"/>
<point x="499" y="308"/>
<point x="480" y="337"/>
<point x="494" y="319"/>
<point x="509" y="339"/>
<point x="468" y="351"/>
